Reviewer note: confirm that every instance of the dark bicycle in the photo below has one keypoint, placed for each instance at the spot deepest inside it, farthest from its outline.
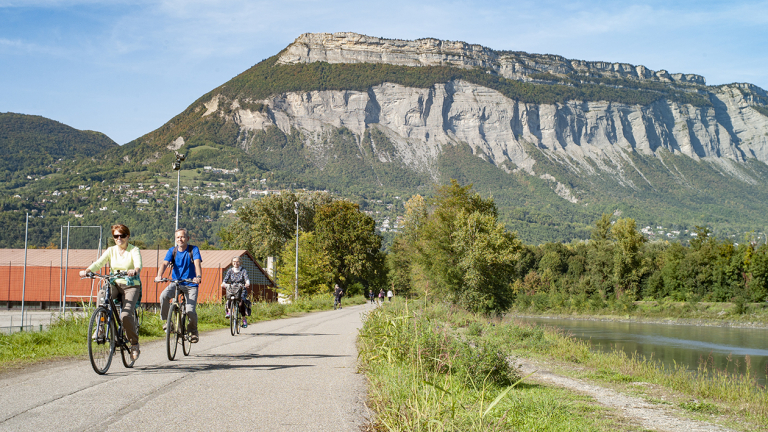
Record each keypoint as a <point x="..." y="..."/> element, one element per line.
<point x="233" y="304"/>
<point x="105" y="329"/>
<point x="178" y="322"/>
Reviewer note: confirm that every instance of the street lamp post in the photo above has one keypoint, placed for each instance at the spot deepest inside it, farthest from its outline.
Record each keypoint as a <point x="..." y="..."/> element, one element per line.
<point x="177" y="167"/>
<point x="296" y="276"/>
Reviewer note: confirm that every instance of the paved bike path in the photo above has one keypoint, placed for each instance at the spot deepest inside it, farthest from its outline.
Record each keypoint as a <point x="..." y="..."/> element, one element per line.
<point x="296" y="374"/>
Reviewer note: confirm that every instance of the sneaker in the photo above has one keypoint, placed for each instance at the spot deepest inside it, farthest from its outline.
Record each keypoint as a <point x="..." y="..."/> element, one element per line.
<point x="165" y="326"/>
<point x="135" y="351"/>
<point x="245" y="323"/>
<point x="98" y="334"/>
<point x="194" y="338"/>
<point x="227" y="315"/>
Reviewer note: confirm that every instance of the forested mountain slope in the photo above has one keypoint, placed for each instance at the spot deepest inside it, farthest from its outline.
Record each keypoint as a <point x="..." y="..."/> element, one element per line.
<point x="556" y="142"/>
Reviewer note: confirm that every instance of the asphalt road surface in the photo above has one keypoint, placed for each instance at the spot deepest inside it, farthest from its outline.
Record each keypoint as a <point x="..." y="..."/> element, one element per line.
<point x="296" y="374"/>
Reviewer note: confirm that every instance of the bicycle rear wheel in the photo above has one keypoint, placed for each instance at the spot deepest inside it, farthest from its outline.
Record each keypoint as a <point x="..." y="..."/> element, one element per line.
<point x="237" y="320"/>
<point x="101" y="340"/>
<point x="232" y="319"/>
<point x="172" y="331"/>
<point x="186" y="344"/>
<point x="125" y="353"/>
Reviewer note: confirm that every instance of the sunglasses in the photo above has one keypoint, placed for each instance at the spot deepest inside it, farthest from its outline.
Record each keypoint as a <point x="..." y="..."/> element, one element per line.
<point x="119" y="236"/>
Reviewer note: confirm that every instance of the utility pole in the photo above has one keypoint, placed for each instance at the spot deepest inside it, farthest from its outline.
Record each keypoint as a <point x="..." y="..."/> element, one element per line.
<point x="24" y="283"/>
<point x="296" y="276"/>
<point x="177" y="167"/>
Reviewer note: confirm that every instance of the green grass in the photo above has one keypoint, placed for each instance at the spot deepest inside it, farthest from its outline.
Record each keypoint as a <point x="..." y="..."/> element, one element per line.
<point x="66" y="338"/>
<point x="427" y="375"/>
<point x="433" y="367"/>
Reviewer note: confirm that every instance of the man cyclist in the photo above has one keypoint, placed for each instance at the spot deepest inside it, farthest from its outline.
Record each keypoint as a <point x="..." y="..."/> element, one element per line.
<point x="185" y="260"/>
<point x="338" y="293"/>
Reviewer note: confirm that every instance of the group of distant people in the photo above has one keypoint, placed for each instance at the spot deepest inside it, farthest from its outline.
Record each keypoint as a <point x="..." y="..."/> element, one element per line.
<point x="338" y="293"/>
<point x="389" y="294"/>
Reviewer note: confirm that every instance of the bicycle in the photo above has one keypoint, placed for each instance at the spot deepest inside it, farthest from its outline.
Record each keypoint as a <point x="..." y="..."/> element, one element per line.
<point x="233" y="300"/>
<point x="178" y="322"/>
<point x="105" y="328"/>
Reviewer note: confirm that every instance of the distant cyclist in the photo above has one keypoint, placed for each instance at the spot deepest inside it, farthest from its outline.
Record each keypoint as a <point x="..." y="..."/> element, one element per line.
<point x="125" y="257"/>
<point x="236" y="275"/>
<point x="338" y="293"/>
<point x="185" y="260"/>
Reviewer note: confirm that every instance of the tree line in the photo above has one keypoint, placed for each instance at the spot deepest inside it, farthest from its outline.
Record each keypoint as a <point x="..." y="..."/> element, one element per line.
<point x="453" y="247"/>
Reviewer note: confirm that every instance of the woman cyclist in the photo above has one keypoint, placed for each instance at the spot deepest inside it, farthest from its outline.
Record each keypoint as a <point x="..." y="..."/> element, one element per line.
<point x="123" y="257"/>
<point x="236" y="275"/>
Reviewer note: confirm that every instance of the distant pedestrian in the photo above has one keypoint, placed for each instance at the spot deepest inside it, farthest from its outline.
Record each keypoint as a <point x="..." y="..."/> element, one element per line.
<point x="370" y="296"/>
<point x="381" y="296"/>
<point x="338" y="293"/>
<point x="390" y="294"/>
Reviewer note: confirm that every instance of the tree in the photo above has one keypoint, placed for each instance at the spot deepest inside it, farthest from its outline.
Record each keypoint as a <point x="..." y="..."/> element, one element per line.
<point x="626" y="259"/>
<point x="315" y="272"/>
<point x="488" y="253"/>
<point x="348" y="238"/>
<point x="434" y="245"/>
<point x="400" y="259"/>
<point x="264" y="225"/>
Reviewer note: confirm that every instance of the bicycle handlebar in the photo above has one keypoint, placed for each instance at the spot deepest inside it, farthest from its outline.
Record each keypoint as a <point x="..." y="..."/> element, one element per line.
<point x="119" y="274"/>
<point x="176" y="280"/>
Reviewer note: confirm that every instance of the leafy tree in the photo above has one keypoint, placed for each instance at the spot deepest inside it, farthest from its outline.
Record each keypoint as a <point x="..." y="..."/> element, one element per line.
<point x="315" y="272"/>
<point x="265" y="225"/>
<point x="488" y="253"/>
<point x="626" y="259"/>
<point x="348" y="238"/>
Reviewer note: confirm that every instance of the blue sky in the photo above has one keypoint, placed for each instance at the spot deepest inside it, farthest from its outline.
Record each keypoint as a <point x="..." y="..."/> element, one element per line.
<point x="127" y="67"/>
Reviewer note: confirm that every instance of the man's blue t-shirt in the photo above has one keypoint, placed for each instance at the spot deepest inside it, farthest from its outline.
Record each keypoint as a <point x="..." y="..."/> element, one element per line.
<point x="183" y="267"/>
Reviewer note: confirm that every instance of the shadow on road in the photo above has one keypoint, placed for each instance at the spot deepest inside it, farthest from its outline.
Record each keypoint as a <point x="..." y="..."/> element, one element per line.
<point x="227" y="362"/>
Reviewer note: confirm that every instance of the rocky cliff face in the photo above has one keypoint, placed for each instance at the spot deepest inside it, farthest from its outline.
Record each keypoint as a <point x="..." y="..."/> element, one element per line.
<point x="356" y="48"/>
<point x="589" y="138"/>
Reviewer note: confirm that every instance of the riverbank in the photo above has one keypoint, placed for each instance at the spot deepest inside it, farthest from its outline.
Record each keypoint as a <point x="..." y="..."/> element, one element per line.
<point x="755" y="315"/>
<point x="434" y="364"/>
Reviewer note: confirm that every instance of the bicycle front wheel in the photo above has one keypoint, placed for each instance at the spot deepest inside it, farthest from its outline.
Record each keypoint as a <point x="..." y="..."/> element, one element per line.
<point x="101" y="340"/>
<point x="186" y="344"/>
<point x="172" y="331"/>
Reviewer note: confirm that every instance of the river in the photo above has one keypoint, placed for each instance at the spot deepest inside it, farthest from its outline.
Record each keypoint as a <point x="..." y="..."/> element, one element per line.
<point x="724" y="348"/>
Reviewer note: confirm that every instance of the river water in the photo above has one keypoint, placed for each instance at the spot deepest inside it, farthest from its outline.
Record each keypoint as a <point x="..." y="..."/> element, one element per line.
<point x="723" y="348"/>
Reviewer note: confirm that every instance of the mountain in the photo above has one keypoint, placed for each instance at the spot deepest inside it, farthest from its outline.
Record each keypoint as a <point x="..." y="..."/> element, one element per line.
<point x="555" y="141"/>
<point x="31" y="143"/>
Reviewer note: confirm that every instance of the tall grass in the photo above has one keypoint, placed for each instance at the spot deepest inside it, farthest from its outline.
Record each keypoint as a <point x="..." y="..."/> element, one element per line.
<point x="438" y="368"/>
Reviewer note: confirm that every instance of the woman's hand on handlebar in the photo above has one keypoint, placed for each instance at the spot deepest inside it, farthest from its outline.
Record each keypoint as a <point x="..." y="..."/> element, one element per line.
<point x="131" y="273"/>
<point x="84" y="273"/>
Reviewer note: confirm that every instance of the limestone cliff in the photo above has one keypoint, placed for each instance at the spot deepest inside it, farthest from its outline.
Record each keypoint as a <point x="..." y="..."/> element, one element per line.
<point x="589" y="138"/>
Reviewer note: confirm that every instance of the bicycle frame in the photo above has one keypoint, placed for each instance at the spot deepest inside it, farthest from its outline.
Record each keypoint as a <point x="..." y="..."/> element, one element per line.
<point x="177" y="330"/>
<point x="114" y="312"/>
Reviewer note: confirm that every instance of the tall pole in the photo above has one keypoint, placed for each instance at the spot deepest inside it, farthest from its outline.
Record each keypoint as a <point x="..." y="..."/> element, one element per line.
<point x="24" y="280"/>
<point x="296" y="276"/>
<point x="66" y="276"/>
<point x="178" y="182"/>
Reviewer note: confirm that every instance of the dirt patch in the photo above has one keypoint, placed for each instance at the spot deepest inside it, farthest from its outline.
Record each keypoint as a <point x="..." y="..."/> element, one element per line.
<point x="651" y="416"/>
